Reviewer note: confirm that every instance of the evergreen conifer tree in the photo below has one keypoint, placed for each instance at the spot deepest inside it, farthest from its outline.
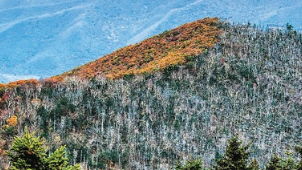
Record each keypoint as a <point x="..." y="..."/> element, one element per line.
<point x="235" y="158"/>
<point x="274" y="163"/>
<point x="289" y="162"/>
<point x="58" y="161"/>
<point x="28" y="153"/>
<point x="191" y="165"/>
<point x="298" y="149"/>
<point x="254" y="165"/>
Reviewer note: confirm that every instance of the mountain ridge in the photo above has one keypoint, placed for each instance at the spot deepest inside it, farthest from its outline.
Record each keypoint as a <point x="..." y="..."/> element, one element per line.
<point x="169" y="49"/>
<point x="92" y="28"/>
<point x="174" y="47"/>
<point x="249" y="83"/>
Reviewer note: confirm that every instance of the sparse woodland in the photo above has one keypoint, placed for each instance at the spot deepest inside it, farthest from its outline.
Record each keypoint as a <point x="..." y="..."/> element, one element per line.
<point x="249" y="83"/>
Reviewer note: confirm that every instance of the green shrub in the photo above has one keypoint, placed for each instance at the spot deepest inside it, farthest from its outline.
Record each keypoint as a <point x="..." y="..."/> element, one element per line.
<point x="190" y="165"/>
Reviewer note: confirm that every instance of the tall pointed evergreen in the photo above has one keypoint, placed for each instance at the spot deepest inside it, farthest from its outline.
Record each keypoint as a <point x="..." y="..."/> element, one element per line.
<point x="235" y="158"/>
<point x="28" y="153"/>
<point x="288" y="163"/>
<point x="254" y="165"/>
<point x="298" y="149"/>
<point x="190" y="165"/>
<point x="274" y="163"/>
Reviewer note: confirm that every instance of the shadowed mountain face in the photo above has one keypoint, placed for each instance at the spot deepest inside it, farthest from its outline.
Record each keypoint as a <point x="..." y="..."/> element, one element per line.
<point x="45" y="38"/>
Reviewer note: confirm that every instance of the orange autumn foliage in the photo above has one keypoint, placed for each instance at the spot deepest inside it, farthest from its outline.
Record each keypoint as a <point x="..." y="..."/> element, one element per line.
<point x="19" y="83"/>
<point x="23" y="82"/>
<point x="12" y="121"/>
<point x="54" y="80"/>
<point x="156" y="53"/>
<point x="2" y="85"/>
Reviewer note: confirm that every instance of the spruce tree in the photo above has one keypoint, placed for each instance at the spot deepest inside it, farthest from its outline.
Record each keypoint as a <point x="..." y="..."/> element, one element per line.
<point x="28" y="153"/>
<point x="191" y="165"/>
<point x="298" y="149"/>
<point x="274" y="163"/>
<point x="58" y="161"/>
<point x="235" y="158"/>
<point x="254" y="165"/>
<point x="289" y="162"/>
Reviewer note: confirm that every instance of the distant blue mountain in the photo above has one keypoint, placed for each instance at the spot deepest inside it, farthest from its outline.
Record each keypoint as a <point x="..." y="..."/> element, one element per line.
<point x="45" y="38"/>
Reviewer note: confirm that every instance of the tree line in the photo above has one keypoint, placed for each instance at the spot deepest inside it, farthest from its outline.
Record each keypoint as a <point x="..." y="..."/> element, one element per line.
<point x="28" y="152"/>
<point x="237" y="156"/>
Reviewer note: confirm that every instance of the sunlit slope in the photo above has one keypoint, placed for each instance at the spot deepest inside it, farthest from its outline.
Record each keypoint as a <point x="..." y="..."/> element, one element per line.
<point x="174" y="47"/>
<point x="40" y="39"/>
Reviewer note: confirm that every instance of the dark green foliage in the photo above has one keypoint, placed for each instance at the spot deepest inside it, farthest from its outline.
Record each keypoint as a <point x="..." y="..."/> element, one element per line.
<point x="43" y="121"/>
<point x="254" y="165"/>
<point x="190" y="165"/>
<point x="289" y="162"/>
<point x="235" y="158"/>
<point x="106" y="157"/>
<point x="9" y="131"/>
<point x="64" y="107"/>
<point x="169" y="69"/>
<point x="246" y="73"/>
<point x="298" y="149"/>
<point x="128" y="76"/>
<point x="28" y="153"/>
<point x="47" y="91"/>
<point x="289" y="27"/>
<point x="217" y="155"/>
<point x="274" y="163"/>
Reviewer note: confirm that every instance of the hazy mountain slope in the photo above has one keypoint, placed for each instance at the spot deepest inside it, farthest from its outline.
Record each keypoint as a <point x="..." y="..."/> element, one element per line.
<point x="45" y="38"/>
<point x="249" y="83"/>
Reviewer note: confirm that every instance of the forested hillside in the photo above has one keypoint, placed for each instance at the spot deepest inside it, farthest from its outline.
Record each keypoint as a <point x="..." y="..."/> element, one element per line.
<point x="248" y="83"/>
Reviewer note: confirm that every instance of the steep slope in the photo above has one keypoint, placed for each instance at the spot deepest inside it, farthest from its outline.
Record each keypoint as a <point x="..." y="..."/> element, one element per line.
<point x="175" y="47"/>
<point x="46" y="38"/>
<point x="249" y="83"/>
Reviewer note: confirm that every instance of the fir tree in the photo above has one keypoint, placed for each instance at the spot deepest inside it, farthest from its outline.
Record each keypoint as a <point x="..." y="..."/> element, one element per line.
<point x="191" y="165"/>
<point x="289" y="162"/>
<point x="274" y="163"/>
<point x="254" y="165"/>
<point x="58" y="161"/>
<point x="235" y="158"/>
<point x="27" y="152"/>
<point x="298" y="149"/>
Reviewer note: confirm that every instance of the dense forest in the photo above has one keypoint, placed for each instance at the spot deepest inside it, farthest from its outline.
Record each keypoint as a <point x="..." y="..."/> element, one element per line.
<point x="249" y="83"/>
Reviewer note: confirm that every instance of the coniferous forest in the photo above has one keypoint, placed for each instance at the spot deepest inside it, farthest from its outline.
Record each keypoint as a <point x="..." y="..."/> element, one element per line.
<point x="242" y="92"/>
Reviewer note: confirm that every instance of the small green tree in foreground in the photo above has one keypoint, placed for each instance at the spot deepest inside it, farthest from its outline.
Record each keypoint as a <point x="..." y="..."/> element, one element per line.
<point x="274" y="163"/>
<point x="254" y="165"/>
<point x="298" y="149"/>
<point x="235" y="158"/>
<point x="190" y="165"/>
<point x="28" y="153"/>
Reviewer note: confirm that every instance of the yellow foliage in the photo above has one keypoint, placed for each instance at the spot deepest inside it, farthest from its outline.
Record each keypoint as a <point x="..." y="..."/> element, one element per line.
<point x="36" y="102"/>
<point x="5" y="126"/>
